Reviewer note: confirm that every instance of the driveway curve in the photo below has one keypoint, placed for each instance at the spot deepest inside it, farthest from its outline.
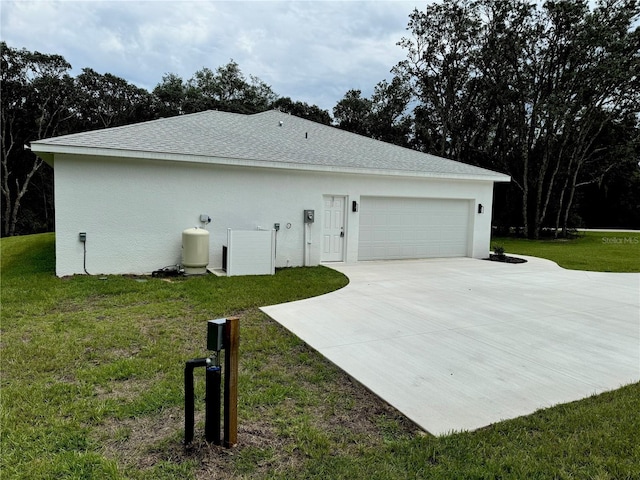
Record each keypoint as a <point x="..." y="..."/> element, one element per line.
<point x="458" y="344"/>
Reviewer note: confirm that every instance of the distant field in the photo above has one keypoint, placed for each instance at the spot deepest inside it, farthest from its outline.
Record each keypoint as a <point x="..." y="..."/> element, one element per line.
<point x="594" y="251"/>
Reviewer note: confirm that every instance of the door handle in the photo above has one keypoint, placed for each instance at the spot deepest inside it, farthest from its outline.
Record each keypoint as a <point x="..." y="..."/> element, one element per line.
<point x="342" y="234"/>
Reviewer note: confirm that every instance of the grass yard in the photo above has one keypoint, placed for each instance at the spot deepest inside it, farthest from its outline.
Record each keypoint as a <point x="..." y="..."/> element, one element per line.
<point x="596" y="251"/>
<point x="92" y="388"/>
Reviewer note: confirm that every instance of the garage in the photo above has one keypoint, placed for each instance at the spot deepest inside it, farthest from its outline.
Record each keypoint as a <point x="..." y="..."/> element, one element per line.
<point x="396" y="228"/>
<point x="372" y="199"/>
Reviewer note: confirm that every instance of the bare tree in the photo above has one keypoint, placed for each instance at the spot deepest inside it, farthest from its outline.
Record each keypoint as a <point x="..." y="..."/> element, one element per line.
<point x="35" y="101"/>
<point x="526" y="89"/>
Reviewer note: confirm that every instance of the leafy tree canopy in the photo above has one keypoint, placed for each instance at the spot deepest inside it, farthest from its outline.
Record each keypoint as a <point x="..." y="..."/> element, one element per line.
<point x="40" y="99"/>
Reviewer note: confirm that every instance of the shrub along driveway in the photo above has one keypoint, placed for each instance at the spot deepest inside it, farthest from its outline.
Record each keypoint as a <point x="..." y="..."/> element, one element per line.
<point x="458" y="344"/>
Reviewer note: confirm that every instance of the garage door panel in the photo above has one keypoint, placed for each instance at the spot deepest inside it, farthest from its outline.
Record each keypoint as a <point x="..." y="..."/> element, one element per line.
<point x="395" y="228"/>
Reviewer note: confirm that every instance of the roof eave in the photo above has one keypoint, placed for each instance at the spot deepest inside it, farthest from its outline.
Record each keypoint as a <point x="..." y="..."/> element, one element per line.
<point x="47" y="152"/>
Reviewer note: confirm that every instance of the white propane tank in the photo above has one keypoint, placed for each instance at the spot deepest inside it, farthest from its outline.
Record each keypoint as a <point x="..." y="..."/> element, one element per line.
<point x="195" y="251"/>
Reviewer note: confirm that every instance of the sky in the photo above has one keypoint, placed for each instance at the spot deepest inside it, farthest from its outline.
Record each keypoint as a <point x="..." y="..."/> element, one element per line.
<point x="311" y="51"/>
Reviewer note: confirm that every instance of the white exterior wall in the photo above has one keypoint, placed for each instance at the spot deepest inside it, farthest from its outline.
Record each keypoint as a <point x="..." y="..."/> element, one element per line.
<point x="134" y="211"/>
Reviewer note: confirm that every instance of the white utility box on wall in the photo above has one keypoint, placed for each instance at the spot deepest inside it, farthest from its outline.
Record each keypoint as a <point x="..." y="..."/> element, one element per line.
<point x="251" y="252"/>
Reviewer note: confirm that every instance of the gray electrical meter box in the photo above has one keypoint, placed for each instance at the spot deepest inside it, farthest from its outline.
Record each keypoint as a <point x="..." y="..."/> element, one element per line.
<point x="215" y="334"/>
<point x="309" y="216"/>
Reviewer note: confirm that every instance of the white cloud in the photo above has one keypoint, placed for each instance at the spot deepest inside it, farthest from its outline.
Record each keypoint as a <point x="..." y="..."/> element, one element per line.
<point x="312" y="51"/>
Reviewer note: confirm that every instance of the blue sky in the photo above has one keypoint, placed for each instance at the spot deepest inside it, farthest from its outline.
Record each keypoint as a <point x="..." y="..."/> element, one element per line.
<point x="312" y="51"/>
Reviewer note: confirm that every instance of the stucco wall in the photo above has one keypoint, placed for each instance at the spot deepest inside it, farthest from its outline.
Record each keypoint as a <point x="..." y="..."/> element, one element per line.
<point x="134" y="211"/>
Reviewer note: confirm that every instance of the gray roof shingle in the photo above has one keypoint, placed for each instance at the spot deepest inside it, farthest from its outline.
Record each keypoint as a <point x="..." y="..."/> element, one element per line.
<point x="271" y="139"/>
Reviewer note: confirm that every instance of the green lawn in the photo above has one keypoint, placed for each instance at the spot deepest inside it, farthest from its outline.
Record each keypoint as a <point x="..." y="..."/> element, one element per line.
<point x="596" y="251"/>
<point x="91" y="374"/>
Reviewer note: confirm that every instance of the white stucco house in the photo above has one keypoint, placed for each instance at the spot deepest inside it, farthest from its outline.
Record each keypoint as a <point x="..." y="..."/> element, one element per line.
<point x="134" y="189"/>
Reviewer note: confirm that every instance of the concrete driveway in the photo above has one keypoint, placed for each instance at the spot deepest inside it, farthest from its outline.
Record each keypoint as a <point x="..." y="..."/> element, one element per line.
<point x="458" y="344"/>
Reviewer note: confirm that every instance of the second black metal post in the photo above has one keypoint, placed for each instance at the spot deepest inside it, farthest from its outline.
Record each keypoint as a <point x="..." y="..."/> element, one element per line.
<point x="212" y="406"/>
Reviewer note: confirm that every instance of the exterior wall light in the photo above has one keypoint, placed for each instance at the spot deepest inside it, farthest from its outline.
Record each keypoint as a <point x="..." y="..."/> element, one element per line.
<point x="480" y="208"/>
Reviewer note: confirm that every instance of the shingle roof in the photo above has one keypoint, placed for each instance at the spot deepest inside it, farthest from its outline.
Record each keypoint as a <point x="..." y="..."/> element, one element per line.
<point x="270" y="139"/>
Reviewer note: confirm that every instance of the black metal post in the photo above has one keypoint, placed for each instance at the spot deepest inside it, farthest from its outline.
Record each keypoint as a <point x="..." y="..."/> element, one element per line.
<point x="189" y="401"/>
<point x="212" y="408"/>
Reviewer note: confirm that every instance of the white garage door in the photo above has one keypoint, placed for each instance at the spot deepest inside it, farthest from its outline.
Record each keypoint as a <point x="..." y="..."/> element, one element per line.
<point x="393" y="228"/>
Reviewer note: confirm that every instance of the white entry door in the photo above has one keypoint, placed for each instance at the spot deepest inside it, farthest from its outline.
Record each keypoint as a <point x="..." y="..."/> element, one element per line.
<point x="333" y="234"/>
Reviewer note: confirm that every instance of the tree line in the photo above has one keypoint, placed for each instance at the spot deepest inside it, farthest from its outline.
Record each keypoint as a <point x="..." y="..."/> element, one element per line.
<point x="41" y="99"/>
<point x="548" y="94"/>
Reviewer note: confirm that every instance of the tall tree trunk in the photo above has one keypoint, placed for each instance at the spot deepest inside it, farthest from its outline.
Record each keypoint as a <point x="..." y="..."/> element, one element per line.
<point x="21" y="190"/>
<point x="7" y="145"/>
<point x="563" y="191"/>
<point x="565" y="222"/>
<point x="525" y="190"/>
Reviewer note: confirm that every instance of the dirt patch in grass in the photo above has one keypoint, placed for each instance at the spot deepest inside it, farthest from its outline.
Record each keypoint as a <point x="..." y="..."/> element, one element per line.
<point x="357" y="417"/>
<point x="367" y="415"/>
<point x="218" y="462"/>
<point x="123" y="390"/>
<point x="142" y="443"/>
<point x="134" y="441"/>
